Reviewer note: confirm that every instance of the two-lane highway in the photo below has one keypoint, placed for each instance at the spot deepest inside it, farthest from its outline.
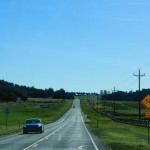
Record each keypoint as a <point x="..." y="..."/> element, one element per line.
<point x="68" y="133"/>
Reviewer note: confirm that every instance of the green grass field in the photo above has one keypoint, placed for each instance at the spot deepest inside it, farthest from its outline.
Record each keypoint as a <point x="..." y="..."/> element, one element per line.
<point x="116" y="135"/>
<point x="123" y="109"/>
<point x="48" y="110"/>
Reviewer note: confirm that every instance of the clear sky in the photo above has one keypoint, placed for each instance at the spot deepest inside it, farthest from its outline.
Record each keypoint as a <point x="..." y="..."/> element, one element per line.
<point x="78" y="45"/>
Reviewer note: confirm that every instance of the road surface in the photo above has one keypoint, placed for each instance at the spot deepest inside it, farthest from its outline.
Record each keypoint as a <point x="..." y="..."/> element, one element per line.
<point x="68" y="133"/>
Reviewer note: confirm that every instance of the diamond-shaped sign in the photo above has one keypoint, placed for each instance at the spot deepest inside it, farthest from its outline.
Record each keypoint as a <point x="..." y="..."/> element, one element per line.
<point x="146" y="101"/>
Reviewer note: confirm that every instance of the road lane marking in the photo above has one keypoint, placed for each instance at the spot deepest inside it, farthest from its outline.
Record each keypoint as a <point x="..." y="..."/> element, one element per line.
<point x="80" y="147"/>
<point x="35" y="145"/>
<point x="89" y="134"/>
<point x="45" y="138"/>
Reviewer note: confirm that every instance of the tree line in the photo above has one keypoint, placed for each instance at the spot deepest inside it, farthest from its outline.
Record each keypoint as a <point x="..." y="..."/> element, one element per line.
<point x="11" y="92"/>
<point x="125" y="96"/>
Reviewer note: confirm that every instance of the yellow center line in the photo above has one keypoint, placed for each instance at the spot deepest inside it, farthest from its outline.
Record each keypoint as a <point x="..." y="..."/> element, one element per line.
<point x="46" y="137"/>
<point x="35" y="145"/>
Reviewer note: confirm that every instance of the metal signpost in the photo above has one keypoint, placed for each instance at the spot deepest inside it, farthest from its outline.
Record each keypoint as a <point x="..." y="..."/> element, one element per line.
<point x="6" y="111"/>
<point x="148" y="117"/>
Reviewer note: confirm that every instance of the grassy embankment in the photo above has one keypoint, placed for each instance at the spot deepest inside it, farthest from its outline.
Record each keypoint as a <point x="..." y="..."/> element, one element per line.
<point x="116" y="135"/>
<point x="48" y="110"/>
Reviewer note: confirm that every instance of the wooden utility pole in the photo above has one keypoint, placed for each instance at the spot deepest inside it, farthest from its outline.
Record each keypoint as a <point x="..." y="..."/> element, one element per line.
<point x="139" y="75"/>
<point x="97" y="102"/>
<point x="114" y="90"/>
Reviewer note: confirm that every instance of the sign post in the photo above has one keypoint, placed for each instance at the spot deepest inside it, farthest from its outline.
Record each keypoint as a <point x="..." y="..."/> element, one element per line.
<point x="148" y="130"/>
<point x="148" y="117"/>
<point x="6" y="111"/>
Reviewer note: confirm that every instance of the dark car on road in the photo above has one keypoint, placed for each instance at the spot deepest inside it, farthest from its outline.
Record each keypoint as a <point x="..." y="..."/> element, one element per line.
<point x="33" y="125"/>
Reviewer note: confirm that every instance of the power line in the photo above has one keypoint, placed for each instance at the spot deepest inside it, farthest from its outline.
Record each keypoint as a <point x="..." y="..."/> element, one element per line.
<point x="127" y="84"/>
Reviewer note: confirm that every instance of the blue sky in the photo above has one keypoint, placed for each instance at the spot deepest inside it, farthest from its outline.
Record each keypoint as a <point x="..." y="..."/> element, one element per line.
<point x="78" y="45"/>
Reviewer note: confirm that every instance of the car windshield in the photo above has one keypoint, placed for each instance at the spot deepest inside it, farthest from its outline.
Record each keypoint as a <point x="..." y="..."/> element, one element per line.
<point x="33" y="121"/>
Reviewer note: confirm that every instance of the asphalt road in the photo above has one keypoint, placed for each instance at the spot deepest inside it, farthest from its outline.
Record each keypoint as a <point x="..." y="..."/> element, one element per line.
<point x="68" y="133"/>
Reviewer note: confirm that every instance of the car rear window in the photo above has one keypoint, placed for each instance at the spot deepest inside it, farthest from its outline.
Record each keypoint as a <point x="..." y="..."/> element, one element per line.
<point x="33" y="121"/>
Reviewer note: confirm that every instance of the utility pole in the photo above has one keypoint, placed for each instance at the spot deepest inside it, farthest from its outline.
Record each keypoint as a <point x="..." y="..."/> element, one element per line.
<point x="139" y="75"/>
<point x="114" y="90"/>
<point x="104" y="105"/>
<point x="97" y="101"/>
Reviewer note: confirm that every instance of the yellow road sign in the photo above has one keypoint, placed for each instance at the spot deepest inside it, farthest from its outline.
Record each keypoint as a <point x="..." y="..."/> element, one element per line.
<point x="146" y="101"/>
<point x="147" y="114"/>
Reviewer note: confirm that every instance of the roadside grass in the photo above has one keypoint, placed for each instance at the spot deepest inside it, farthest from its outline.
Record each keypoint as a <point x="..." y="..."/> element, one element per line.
<point x="116" y="135"/>
<point x="48" y="110"/>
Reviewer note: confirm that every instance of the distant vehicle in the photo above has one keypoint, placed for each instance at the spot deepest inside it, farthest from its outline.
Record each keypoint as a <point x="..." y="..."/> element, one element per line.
<point x="33" y="125"/>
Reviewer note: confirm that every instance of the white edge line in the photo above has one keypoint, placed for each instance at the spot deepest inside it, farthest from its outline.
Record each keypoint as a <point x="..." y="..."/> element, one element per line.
<point x="89" y="134"/>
